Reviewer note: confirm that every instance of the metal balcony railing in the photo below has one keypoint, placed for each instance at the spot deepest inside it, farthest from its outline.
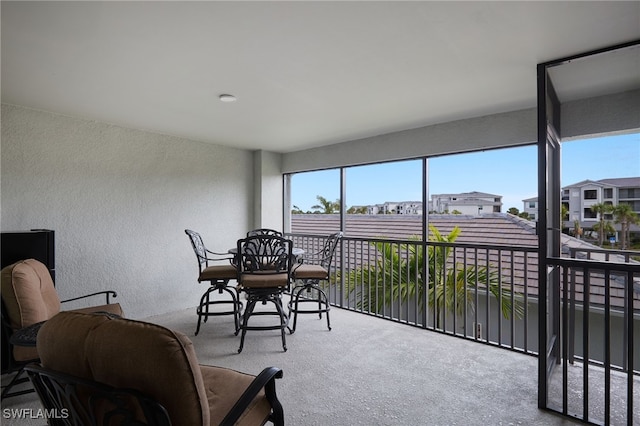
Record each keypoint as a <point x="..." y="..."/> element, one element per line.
<point x="599" y="320"/>
<point x="489" y="294"/>
<point x="482" y="293"/>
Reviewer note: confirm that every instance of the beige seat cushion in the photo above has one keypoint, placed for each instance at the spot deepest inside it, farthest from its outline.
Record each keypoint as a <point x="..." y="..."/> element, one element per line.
<point x="222" y="398"/>
<point x="264" y="280"/>
<point x="128" y="354"/>
<point x="30" y="297"/>
<point x="305" y="271"/>
<point x="28" y="293"/>
<point x="150" y="358"/>
<point x="219" y="272"/>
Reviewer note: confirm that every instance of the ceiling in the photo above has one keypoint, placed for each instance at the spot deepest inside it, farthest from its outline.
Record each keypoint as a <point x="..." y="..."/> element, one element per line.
<point x="305" y="74"/>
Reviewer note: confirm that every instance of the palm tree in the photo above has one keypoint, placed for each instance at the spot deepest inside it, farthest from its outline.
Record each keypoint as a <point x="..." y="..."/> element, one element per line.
<point x="397" y="275"/>
<point x="625" y="216"/>
<point x="577" y="230"/>
<point x="326" y="206"/>
<point x="601" y="209"/>
<point x="604" y="228"/>
<point x="564" y="214"/>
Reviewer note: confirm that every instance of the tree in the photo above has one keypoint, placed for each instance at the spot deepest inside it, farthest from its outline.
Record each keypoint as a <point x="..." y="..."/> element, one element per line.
<point x="400" y="277"/>
<point x="601" y="209"/>
<point x="564" y="214"/>
<point x="625" y="216"/>
<point x="514" y="211"/>
<point x="296" y="210"/>
<point x="326" y="206"/>
<point x="603" y="228"/>
<point x="357" y="210"/>
<point x="524" y="215"/>
<point x="577" y="229"/>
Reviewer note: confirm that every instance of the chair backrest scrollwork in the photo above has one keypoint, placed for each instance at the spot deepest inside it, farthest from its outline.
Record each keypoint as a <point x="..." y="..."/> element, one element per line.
<point x="329" y="249"/>
<point x="265" y="254"/>
<point x="264" y="231"/>
<point x="198" y="247"/>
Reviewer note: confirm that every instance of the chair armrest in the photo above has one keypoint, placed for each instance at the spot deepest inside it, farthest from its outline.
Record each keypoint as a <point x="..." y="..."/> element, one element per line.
<point x="313" y="258"/>
<point x="107" y="293"/>
<point x="226" y="255"/>
<point x="266" y="380"/>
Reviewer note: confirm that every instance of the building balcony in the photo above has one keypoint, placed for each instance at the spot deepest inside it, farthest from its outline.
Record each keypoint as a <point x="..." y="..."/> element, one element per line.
<point x="396" y="363"/>
<point x="370" y="371"/>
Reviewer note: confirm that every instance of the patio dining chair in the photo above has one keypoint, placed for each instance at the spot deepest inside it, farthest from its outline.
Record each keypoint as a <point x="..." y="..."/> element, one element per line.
<point x="309" y="272"/>
<point x="264" y="231"/>
<point x="264" y="274"/>
<point x="218" y="277"/>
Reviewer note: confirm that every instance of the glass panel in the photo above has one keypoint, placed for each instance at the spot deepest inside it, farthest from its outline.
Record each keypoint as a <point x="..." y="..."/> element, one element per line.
<point x="315" y="202"/>
<point x="611" y="161"/>
<point x="501" y="180"/>
<point x="384" y="200"/>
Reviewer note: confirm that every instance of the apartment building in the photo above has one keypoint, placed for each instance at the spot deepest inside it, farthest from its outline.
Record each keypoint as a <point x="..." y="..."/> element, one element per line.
<point x="395" y="207"/>
<point x="470" y="203"/>
<point x="531" y="208"/>
<point x="579" y="197"/>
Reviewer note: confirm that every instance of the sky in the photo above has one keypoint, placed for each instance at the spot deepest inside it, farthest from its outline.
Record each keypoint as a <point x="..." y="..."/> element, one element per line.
<point x="511" y="173"/>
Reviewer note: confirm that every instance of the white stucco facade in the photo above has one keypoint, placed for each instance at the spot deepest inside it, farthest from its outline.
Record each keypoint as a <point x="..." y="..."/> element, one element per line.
<point x="119" y="201"/>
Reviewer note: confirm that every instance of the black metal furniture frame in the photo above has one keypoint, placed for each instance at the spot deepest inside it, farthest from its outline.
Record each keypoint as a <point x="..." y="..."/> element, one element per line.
<point x="268" y="260"/>
<point x="72" y="401"/>
<point x="203" y="310"/>
<point x="311" y="282"/>
<point x="263" y="296"/>
<point x="264" y="231"/>
<point x="12" y="364"/>
<point x="218" y="277"/>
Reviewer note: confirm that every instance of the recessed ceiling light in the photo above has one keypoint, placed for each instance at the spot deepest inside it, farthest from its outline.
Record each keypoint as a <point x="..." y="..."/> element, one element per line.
<point x="227" y="98"/>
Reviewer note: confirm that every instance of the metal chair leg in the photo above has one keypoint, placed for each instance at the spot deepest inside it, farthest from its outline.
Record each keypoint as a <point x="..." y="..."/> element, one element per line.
<point x="203" y="310"/>
<point x="263" y="297"/>
<point x="16" y="380"/>
<point x="297" y="299"/>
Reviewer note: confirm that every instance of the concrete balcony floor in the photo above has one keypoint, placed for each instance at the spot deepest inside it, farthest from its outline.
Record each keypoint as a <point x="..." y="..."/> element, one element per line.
<point x="369" y="371"/>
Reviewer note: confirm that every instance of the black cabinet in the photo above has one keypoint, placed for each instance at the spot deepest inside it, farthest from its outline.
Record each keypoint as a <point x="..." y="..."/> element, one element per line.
<point x="36" y="244"/>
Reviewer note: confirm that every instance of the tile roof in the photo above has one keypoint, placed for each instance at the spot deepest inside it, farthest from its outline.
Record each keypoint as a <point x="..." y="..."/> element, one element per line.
<point x="492" y="229"/>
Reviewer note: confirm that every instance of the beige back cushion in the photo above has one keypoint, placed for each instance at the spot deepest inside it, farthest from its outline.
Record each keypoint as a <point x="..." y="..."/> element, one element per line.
<point x="28" y="293"/>
<point x="128" y="354"/>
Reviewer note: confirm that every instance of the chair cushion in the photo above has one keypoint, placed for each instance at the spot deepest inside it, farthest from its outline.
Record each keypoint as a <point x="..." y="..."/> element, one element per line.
<point x="29" y="353"/>
<point x="28" y="293"/>
<point x="305" y="271"/>
<point x="224" y="386"/>
<point x="111" y="308"/>
<point x="30" y="297"/>
<point x="264" y="280"/>
<point x="128" y="354"/>
<point x="219" y="272"/>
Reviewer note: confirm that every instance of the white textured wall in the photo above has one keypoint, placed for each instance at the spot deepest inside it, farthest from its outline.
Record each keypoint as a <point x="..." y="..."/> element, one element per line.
<point x="119" y="200"/>
<point x="618" y="113"/>
<point x="268" y="190"/>
<point x="492" y="131"/>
